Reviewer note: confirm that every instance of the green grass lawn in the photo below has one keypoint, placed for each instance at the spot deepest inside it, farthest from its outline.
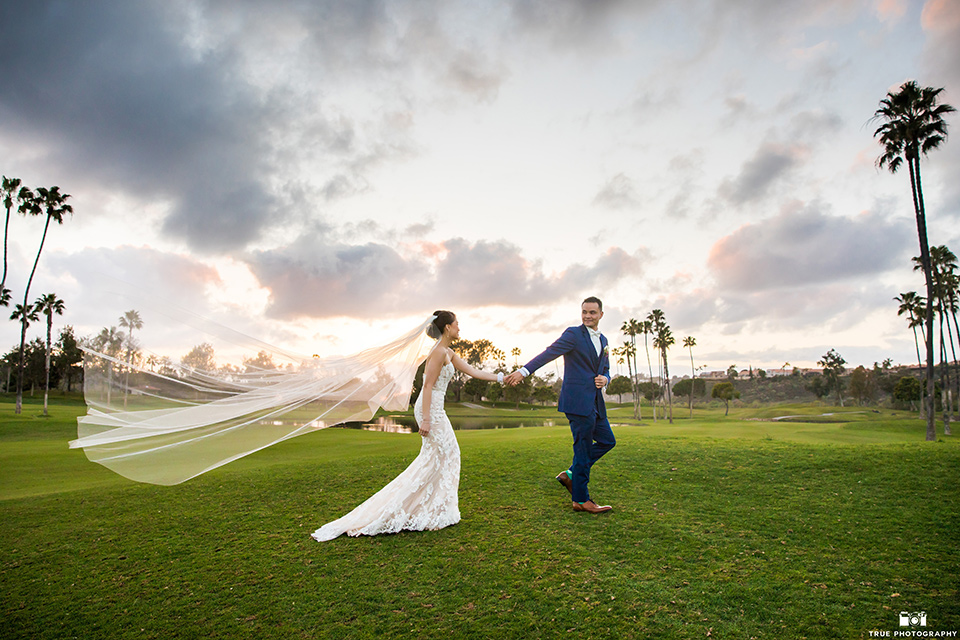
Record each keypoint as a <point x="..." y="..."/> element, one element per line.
<point x="737" y="527"/>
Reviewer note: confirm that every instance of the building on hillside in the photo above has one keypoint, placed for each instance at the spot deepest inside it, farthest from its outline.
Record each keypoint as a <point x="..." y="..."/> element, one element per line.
<point x="714" y="375"/>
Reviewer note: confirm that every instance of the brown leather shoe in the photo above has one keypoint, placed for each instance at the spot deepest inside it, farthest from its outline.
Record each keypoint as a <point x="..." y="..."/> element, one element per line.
<point x="564" y="479"/>
<point x="591" y="507"/>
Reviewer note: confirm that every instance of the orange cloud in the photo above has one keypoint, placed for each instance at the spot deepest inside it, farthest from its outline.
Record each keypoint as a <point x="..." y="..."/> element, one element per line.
<point x="891" y="10"/>
<point x="940" y="16"/>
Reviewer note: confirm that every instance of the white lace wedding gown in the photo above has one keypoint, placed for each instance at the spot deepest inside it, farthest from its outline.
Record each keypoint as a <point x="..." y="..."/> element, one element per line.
<point x="424" y="495"/>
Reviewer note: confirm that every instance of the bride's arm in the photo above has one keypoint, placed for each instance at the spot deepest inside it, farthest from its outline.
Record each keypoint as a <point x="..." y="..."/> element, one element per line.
<point x="460" y="365"/>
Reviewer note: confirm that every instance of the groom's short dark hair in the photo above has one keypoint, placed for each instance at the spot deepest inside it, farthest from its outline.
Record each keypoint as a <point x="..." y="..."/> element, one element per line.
<point x="593" y="299"/>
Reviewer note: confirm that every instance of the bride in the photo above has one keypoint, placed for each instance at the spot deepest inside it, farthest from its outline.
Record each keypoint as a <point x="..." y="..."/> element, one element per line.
<point x="424" y="495"/>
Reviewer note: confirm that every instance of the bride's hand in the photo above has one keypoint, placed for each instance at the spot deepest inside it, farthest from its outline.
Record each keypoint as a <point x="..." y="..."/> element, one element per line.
<point x="424" y="428"/>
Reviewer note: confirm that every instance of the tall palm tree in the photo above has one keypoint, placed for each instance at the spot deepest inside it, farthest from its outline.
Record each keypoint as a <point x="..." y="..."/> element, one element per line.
<point x="912" y="305"/>
<point x="13" y="193"/>
<point x="628" y="351"/>
<point x="48" y="305"/>
<point x="515" y="352"/>
<point x="631" y="328"/>
<point x="24" y="314"/>
<point x="952" y="286"/>
<point x="912" y="127"/>
<point x="646" y="328"/>
<point x="915" y="307"/>
<point x="690" y="342"/>
<point x="54" y="205"/>
<point x="662" y="340"/>
<point x="944" y="264"/>
<point x="130" y="320"/>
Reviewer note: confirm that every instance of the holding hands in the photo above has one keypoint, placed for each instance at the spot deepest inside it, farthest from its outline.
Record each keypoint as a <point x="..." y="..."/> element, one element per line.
<point x="516" y="378"/>
<point x="513" y="379"/>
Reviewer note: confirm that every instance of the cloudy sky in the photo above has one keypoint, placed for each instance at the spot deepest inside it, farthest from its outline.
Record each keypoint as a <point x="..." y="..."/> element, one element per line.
<point x="321" y="175"/>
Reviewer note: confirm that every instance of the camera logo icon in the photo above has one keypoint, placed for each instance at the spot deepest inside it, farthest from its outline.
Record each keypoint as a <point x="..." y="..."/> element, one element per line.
<point x="913" y="618"/>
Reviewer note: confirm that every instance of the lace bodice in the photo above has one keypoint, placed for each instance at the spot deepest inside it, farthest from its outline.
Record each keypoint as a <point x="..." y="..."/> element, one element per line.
<point x="425" y="495"/>
<point x="436" y="399"/>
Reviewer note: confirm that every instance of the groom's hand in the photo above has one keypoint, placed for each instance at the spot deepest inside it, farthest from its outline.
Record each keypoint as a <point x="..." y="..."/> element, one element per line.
<point x="514" y="378"/>
<point x="600" y="381"/>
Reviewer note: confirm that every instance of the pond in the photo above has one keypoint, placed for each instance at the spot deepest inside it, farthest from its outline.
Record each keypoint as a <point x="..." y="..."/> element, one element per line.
<point x="404" y="424"/>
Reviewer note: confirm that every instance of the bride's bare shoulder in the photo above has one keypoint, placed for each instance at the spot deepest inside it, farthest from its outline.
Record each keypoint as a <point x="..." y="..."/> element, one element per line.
<point x="440" y="355"/>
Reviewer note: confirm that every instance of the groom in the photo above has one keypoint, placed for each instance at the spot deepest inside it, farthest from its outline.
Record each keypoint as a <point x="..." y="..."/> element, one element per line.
<point x="586" y="371"/>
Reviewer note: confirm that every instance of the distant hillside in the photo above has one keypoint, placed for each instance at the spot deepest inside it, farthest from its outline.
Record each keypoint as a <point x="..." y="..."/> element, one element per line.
<point x="794" y="388"/>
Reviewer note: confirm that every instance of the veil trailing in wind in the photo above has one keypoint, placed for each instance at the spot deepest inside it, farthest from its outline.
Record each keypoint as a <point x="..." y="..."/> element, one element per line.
<point x="169" y="423"/>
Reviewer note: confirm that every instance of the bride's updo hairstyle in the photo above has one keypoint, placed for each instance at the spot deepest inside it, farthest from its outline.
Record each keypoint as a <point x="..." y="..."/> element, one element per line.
<point x="440" y="321"/>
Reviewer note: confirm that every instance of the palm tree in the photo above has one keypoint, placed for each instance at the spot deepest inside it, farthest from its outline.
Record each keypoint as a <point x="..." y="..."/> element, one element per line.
<point x="499" y="356"/>
<point x="54" y="204"/>
<point x="13" y="193"/>
<point x="25" y="314"/>
<point x="130" y="320"/>
<point x="944" y="264"/>
<point x="515" y="352"/>
<point x="663" y="339"/>
<point x="628" y="351"/>
<point x="48" y="305"/>
<point x="912" y="305"/>
<point x="915" y="307"/>
<point x="912" y="127"/>
<point x="617" y="352"/>
<point x="646" y="328"/>
<point x="952" y="286"/>
<point x="631" y="328"/>
<point x="690" y="342"/>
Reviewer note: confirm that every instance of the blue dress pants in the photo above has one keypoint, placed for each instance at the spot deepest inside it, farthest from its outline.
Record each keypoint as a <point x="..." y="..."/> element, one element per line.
<point x="592" y="437"/>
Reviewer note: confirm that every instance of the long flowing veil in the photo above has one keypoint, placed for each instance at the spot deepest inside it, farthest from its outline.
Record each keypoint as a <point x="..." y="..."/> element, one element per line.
<point x="175" y="422"/>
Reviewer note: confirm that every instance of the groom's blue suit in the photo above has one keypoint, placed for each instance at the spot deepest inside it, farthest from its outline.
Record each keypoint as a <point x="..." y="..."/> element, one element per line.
<point x="581" y="400"/>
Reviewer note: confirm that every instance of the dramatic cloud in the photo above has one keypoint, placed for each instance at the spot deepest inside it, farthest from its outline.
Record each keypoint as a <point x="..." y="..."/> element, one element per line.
<point x="770" y="163"/>
<point x="803" y="246"/>
<point x="318" y="278"/>
<point x="134" y="111"/>
<point x="215" y="110"/>
<point x="363" y="158"/>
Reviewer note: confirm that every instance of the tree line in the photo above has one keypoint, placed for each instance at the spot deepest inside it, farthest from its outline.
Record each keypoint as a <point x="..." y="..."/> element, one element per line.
<point x="945" y="329"/>
<point x="50" y="205"/>
<point x="657" y="391"/>
<point x="911" y="126"/>
<point x="541" y="389"/>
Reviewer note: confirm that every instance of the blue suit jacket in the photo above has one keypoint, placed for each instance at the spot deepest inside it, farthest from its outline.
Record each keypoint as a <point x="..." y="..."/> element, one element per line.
<point x="581" y="364"/>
